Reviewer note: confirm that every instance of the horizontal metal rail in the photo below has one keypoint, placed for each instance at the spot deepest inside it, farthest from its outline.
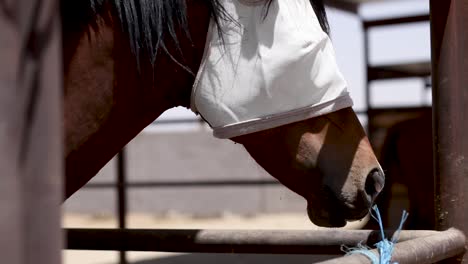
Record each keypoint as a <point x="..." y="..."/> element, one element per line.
<point x="396" y="21"/>
<point x="324" y="242"/>
<point x="187" y="184"/>
<point x="423" y="250"/>
<point x="407" y="70"/>
<point x="177" y="121"/>
<point x="343" y="5"/>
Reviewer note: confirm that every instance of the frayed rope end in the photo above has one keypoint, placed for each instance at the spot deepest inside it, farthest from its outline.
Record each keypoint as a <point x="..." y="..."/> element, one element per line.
<point x="384" y="247"/>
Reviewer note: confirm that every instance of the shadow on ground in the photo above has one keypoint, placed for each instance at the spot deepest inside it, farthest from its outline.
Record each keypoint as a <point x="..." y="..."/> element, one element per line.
<point x="235" y="259"/>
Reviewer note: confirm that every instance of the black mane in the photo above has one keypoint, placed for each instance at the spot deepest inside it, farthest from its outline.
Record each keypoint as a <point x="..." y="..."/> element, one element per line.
<point x="148" y="22"/>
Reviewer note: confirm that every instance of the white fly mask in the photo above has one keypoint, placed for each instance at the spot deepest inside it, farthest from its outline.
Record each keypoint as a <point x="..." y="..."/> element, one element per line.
<point x="263" y="71"/>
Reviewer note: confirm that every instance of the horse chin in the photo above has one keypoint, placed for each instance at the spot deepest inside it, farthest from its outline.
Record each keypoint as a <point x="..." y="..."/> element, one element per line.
<point x="333" y="216"/>
<point x="326" y="218"/>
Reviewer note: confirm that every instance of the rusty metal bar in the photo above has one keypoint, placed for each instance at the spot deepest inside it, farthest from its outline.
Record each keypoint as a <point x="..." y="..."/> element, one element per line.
<point x="406" y="70"/>
<point x="343" y="5"/>
<point x="122" y="197"/>
<point x="449" y="37"/>
<point x="396" y="21"/>
<point x="422" y="250"/>
<point x="227" y="241"/>
<point x="187" y="184"/>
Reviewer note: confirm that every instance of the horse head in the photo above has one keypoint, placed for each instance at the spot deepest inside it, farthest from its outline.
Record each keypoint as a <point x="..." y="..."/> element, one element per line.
<point x="327" y="160"/>
<point x="276" y="88"/>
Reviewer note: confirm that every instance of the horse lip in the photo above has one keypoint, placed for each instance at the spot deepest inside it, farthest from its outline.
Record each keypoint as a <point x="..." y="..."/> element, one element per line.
<point x="328" y="216"/>
<point x="336" y="213"/>
<point x="326" y="219"/>
<point x="353" y="213"/>
<point x="358" y="216"/>
<point x="333" y="219"/>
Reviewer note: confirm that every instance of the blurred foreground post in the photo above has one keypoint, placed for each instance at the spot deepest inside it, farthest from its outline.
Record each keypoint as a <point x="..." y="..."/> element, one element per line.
<point x="30" y="137"/>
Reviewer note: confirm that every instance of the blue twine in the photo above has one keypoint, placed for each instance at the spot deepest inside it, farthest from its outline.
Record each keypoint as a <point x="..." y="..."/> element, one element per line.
<point x="384" y="247"/>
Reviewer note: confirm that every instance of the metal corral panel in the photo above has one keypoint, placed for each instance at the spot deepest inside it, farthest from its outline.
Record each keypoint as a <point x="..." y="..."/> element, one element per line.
<point x="414" y="246"/>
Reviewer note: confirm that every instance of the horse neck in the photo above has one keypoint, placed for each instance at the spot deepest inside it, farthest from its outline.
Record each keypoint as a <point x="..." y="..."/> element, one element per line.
<point x="108" y="100"/>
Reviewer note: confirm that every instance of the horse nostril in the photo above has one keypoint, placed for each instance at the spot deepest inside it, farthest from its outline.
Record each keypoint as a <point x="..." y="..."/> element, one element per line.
<point x="374" y="183"/>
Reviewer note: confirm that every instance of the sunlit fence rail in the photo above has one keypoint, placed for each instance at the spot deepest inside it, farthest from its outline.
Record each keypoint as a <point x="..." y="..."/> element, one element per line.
<point x="414" y="246"/>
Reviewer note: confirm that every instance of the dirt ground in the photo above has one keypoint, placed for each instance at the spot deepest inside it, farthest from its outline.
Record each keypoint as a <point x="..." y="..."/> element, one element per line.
<point x="173" y="221"/>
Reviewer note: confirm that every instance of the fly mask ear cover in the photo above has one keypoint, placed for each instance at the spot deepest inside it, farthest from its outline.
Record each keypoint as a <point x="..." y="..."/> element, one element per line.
<point x="263" y="71"/>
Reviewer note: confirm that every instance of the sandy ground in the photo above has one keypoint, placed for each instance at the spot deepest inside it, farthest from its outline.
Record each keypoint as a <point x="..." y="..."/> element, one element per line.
<point x="174" y="221"/>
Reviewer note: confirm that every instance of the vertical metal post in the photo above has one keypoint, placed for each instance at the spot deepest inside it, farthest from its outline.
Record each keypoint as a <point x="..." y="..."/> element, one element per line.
<point x="30" y="138"/>
<point x="121" y="197"/>
<point x="368" y="95"/>
<point x="367" y="62"/>
<point x="449" y="37"/>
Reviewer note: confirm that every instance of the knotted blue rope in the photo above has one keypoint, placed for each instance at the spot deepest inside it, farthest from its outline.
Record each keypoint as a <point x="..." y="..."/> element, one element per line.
<point x="384" y="247"/>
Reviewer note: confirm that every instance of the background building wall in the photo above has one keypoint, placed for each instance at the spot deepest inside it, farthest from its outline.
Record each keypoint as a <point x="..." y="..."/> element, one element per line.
<point x="188" y="156"/>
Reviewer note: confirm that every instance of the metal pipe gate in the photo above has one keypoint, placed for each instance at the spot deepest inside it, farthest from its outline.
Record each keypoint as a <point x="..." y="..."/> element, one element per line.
<point x="449" y="37"/>
<point x="414" y="246"/>
<point x="30" y="145"/>
<point x="30" y="140"/>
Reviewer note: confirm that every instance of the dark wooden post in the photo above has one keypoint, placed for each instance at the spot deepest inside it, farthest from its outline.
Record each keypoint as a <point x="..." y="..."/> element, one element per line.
<point x="30" y="137"/>
<point x="449" y="35"/>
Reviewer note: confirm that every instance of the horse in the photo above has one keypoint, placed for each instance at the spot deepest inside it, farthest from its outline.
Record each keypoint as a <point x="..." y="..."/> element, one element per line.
<point x="407" y="158"/>
<point x="127" y="61"/>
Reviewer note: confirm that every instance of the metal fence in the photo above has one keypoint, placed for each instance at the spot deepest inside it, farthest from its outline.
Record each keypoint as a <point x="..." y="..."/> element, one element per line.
<point x="122" y="186"/>
<point x="450" y="120"/>
<point x="414" y="246"/>
<point x="31" y="196"/>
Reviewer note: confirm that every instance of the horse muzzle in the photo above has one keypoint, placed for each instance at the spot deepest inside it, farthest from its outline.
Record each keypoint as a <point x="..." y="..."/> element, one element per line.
<point x="335" y="212"/>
